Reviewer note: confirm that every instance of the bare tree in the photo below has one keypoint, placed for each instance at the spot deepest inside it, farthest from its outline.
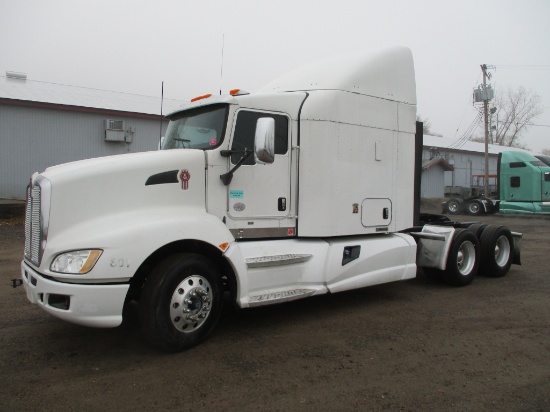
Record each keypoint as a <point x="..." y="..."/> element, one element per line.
<point x="546" y="151"/>
<point x="426" y="124"/>
<point x="515" y="110"/>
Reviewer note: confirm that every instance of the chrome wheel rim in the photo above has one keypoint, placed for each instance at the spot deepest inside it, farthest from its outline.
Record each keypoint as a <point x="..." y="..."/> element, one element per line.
<point x="191" y="303"/>
<point x="502" y="251"/>
<point x="453" y="207"/>
<point x="466" y="258"/>
<point x="474" y="208"/>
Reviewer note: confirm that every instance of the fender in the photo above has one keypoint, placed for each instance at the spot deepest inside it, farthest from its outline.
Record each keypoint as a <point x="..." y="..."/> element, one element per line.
<point x="128" y="239"/>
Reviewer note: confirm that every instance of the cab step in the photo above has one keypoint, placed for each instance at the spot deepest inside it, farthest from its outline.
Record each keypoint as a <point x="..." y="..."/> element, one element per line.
<point x="279" y="297"/>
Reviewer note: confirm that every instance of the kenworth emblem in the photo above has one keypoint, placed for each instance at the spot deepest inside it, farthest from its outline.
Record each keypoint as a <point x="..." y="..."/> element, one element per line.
<point x="184" y="177"/>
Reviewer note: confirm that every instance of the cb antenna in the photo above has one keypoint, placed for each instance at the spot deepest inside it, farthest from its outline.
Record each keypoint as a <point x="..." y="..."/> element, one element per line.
<point x="221" y="68"/>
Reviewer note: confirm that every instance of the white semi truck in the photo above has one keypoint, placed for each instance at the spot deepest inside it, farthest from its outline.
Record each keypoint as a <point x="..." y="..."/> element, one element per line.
<point x="309" y="186"/>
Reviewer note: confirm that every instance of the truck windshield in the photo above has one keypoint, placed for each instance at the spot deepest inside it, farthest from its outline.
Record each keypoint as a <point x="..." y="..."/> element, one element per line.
<point x="202" y="128"/>
<point x="544" y="159"/>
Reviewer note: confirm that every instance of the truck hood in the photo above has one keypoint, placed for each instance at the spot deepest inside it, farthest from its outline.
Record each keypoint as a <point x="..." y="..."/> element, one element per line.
<point x="165" y="182"/>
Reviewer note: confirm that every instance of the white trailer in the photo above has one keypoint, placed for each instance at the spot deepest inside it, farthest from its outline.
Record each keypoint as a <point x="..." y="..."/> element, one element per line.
<point x="309" y="186"/>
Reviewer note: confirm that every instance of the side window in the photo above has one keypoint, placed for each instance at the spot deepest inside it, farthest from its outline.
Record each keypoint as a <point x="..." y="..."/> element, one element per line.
<point x="245" y="129"/>
<point x="515" y="181"/>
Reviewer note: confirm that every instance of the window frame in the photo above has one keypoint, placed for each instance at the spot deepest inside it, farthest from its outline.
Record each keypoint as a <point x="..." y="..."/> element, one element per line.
<point x="234" y="159"/>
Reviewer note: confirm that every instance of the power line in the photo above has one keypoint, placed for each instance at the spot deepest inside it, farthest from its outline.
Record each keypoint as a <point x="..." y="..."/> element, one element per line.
<point x="523" y="66"/>
<point x="466" y="108"/>
<point x="538" y="125"/>
<point x="458" y="143"/>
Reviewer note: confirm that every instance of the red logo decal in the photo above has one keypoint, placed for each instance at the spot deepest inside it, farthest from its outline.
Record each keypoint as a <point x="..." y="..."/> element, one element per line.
<point x="184" y="177"/>
<point x="290" y="232"/>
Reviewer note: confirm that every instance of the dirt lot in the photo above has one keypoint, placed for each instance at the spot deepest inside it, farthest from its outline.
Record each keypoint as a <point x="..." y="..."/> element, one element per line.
<point x="413" y="345"/>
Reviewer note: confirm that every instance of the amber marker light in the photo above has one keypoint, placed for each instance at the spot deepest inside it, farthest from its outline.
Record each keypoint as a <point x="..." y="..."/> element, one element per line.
<point x="91" y="261"/>
<point x="237" y="92"/>
<point x="224" y="246"/>
<point x="204" y="96"/>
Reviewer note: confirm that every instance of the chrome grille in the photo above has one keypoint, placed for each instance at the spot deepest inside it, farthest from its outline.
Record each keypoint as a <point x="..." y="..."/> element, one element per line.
<point x="33" y="224"/>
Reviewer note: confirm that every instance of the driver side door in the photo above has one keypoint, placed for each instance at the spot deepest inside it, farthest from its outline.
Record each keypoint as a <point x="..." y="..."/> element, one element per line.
<point x="259" y="194"/>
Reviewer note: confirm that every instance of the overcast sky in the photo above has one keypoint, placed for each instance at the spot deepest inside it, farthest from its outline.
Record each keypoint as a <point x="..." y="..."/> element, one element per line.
<point x="132" y="46"/>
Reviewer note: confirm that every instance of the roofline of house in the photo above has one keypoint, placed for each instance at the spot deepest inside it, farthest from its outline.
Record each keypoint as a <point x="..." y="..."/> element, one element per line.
<point x="459" y="150"/>
<point x="81" y="109"/>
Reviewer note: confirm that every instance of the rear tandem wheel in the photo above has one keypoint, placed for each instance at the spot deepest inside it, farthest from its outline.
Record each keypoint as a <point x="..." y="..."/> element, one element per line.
<point x="497" y="249"/>
<point x="462" y="260"/>
<point x="454" y="206"/>
<point x="475" y="207"/>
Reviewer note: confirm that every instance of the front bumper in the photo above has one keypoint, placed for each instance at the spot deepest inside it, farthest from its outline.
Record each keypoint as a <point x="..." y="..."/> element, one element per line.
<point x="85" y="304"/>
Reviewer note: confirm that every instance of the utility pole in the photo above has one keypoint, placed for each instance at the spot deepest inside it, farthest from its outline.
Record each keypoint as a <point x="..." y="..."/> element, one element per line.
<point x="486" y="120"/>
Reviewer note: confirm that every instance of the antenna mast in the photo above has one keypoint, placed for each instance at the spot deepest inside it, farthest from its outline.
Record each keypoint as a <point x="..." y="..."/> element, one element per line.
<point x="221" y="68"/>
<point x="161" y="101"/>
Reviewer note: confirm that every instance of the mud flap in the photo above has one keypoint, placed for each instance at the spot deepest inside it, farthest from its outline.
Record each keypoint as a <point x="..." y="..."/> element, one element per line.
<point x="516" y="259"/>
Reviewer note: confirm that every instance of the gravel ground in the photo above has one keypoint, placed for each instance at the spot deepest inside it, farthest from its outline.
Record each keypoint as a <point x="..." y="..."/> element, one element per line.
<point x="413" y="345"/>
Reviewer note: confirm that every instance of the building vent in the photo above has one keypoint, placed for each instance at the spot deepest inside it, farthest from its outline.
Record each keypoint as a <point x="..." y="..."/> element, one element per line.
<point x="114" y="130"/>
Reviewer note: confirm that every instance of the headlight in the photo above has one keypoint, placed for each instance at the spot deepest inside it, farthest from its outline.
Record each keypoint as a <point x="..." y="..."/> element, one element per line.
<point x="76" y="262"/>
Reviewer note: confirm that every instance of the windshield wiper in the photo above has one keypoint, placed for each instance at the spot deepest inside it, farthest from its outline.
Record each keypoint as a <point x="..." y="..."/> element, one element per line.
<point x="179" y="139"/>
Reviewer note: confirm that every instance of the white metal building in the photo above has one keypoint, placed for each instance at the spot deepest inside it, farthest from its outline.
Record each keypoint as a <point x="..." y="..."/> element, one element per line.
<point x="460" y="164"/>
<point x="43" y="124"/>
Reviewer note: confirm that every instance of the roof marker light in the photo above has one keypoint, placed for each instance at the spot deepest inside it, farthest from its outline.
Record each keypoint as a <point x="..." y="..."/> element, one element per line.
<point x="237" y="92"/>
<point x="204" y="96"/>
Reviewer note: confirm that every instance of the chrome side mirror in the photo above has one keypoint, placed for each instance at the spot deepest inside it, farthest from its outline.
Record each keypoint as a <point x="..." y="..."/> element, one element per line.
<point x="264" y="140"/>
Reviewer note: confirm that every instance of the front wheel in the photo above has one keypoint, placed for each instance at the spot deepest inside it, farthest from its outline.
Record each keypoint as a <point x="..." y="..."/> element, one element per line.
<point x="181" y="302"/>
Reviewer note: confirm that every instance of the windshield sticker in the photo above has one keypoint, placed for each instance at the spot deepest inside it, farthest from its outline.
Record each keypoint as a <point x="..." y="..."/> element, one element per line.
<point x="236" y="194"/>
<point x="184" y="177"/>
<point x="213" y="142"/>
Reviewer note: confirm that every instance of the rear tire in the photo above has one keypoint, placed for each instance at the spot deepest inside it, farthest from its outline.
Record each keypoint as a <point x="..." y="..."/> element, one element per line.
<point x="463" y="258"/>
<point x="497" y="250"/>
<point x="477" y="229"/>
<point x="475" y="207"/>
<point x="181" y="302"/>
<point x="454" y="206"/>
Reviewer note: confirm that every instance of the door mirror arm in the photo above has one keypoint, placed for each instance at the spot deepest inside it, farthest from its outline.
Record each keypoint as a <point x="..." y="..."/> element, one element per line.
<point x="227" y="177"/>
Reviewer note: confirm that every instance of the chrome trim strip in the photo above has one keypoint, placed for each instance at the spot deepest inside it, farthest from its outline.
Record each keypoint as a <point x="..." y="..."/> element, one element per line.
<point x="277" y="232"/>
<point x="276" y="260"/>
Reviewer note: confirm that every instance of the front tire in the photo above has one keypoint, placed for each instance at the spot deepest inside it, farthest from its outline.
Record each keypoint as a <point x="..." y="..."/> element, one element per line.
<point x="181" y="302"/>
